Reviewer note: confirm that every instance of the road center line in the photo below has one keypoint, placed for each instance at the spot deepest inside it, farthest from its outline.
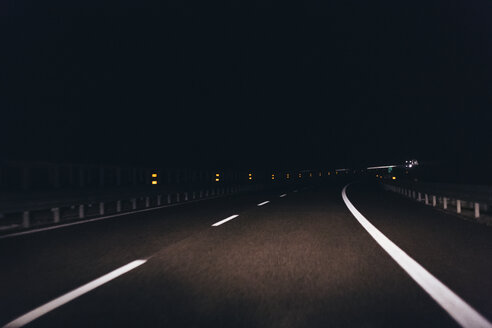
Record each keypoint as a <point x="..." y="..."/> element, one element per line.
<point x="283" y="195"/>
<point x="457" y="308"/>
<point x="57" y="302"/>
<point x="265" y="202"/>
<point x="225" y="220"/>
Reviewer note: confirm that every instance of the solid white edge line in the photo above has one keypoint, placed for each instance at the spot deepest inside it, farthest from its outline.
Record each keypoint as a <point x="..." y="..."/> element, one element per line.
<point x="225" y="220"/>
<point x="82" y="221"/>
<point x="265" y="202"/>
<point x="283" y="195"/>
<point x="457" y="308"/>
<point x="57" y="302"/>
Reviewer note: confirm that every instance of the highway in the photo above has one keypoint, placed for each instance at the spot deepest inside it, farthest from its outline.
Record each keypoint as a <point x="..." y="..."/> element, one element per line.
<point x="288" y="257"/>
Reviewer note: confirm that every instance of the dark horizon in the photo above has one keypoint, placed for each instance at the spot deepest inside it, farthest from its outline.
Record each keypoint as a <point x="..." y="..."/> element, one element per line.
<point x="332" y="85"/>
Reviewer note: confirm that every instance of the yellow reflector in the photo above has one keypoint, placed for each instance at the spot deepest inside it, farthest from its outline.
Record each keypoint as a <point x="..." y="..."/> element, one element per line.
<point x="394" y="178"/>
<point x="154" y="175"/>
<point x="154" y="182"/>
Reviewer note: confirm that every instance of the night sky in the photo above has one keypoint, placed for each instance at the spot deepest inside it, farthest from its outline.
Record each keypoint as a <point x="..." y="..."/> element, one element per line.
<point x="247" y="84"/>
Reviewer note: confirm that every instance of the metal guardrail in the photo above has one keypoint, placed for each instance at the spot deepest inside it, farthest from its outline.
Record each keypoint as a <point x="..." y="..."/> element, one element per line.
<point x="34" y="214"/>
<point x="444" y="195"/>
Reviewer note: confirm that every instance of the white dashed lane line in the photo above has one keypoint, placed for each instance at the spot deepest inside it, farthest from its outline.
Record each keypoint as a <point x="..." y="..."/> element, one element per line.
<point x="216" y="224"/>
<point x="57" y="302"/>
<point x="265" y="202"/>
<point x="283" y="195"/>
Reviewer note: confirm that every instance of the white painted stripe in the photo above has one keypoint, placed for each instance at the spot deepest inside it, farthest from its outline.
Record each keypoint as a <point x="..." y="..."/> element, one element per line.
<point x="82" y="221"/>
<point x="283" y="195"/>
<point x="225" y="220"/>
<point x="457" y="308"/>
<point x="261" y="204"/>
<point x="57" y="302"/>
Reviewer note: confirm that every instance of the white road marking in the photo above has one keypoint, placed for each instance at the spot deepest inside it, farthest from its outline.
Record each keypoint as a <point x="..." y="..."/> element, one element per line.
<point x="295" y="190"/>
<point x="82" y="221"/>
<point x="457" y="308"/>
<point x="283" y="195"/>
<point x="57" y="302"/>
<point x="265" y="202"/>
<point x="225" y="220"/>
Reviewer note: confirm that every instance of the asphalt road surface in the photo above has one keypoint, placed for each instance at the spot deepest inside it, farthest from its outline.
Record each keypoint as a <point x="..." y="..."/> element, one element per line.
<point x="290" y="258"/>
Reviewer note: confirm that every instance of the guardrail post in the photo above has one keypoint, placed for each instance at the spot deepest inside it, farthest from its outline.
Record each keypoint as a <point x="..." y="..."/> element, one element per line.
<point x="169" y="198"/>
<point x="458" y="206"/>
<point x="445" y="203"/>
<point x="434" y="200"/>
<point x="81" y="211"/>
<point x="426" y="199"/>
<point x="101" y="208"/>
<point x="118" y="206"/>
<point x="206" y="193"/>
<point x="186" y="197"/>
<point x="56" y="214"/>
<point x="477" y="210"/>
<point x="201" y="193"/>
<point x="159" y="200"/>
<point x="177" y="197"/>
<point x="413" y="194"/>
<point x="147" y="201"/>
<point x="419" y="198"/>
<point x="134" y="203"/>
<point x="26" y="220"/>
<point x="193" y="196"/>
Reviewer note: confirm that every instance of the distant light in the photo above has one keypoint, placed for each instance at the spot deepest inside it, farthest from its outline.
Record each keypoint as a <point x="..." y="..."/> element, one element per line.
<point x="394" y="178"/>
<point x="217" y="174"/>
<point x="154" y="175"/>
<point x="381" y="167"/>
<point x="250" y="174"/>
<point x="336" y="172"/>
<point x="250" y="178"/>
<point x="217" y="179"/>
<point x="287" y="175"/>
<point x="377" y="175"/>
<point x="329" y="173"/>
<point x="154" y="182"/>
<point x="310" y="174"/>
<point x="319" y="173"/>
<point x="300" y="175"/>
<point x="273" y="176"/>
